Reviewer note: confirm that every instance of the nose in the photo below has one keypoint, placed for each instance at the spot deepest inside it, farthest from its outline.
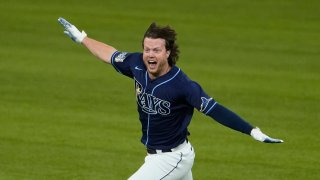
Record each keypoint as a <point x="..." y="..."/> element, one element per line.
<point x="150" y="54"/>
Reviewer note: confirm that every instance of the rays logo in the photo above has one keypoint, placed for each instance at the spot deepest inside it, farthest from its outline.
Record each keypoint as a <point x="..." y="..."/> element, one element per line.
<point x="204" y="103"/>
<point x="149" y="103"/>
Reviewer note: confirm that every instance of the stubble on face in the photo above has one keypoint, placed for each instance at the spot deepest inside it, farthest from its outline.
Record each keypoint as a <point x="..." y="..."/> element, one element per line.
<point x="155" y="57"/>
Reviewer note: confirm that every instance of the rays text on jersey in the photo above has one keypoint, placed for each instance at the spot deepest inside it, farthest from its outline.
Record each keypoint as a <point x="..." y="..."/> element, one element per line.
<point x="153" y="105"/>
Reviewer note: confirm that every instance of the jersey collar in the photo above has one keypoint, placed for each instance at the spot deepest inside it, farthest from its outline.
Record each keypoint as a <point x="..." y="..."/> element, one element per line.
<point x="164" y="77"/>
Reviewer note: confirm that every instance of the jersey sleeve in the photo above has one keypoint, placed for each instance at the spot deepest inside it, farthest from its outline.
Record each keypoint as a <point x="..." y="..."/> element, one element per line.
<point x="205" y="104"/>
<point x="124" y="62"/>
<point x="197" y="98"/>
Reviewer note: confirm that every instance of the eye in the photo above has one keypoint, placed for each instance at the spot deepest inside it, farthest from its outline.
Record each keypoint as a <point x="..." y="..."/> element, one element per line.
<point x="157" y="50"/>
<point x="146" y="50"/>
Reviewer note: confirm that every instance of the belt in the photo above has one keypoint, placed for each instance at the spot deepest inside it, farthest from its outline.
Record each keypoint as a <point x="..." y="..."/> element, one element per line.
<point x="158" y="151"/>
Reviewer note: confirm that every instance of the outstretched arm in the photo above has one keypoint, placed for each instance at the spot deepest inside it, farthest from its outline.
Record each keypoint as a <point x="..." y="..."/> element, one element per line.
<point x="228" y="118"/>
<point x="99" y="49"/>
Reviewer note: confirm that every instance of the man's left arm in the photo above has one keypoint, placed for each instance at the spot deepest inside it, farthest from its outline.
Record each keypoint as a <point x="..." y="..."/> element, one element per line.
<point x="197" y="98"/>
<point x="228" y="118"/>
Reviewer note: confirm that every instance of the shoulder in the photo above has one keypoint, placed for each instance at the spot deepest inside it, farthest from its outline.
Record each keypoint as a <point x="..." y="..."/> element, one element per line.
<point x="183" y="82"/>
<point x="184" y="79"/>
<point x="187" y="85"/>
<point x="119" y="57"/>
<point x="124" y="62"/>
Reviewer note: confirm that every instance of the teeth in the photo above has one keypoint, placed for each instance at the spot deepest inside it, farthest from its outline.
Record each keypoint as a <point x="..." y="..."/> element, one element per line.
<point x="152" y="62"/>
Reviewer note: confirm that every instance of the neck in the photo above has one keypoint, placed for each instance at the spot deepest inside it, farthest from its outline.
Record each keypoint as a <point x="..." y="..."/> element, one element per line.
<point x="155" y="76"/>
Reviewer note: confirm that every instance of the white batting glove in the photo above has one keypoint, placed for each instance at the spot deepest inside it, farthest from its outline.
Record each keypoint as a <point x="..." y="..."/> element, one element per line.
<point x="260" y="136"/>
<point x="72" y="31"/>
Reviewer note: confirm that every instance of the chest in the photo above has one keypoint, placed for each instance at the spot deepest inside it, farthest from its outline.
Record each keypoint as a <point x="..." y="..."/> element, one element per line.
<point x="156" y="97"/>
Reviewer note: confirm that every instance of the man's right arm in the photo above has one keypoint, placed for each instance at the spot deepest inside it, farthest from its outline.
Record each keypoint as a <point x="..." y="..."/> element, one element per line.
<point x="99" y="49"/>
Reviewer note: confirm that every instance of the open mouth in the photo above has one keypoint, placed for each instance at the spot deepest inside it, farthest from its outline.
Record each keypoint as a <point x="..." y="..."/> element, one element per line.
<point x="152" y="64"/>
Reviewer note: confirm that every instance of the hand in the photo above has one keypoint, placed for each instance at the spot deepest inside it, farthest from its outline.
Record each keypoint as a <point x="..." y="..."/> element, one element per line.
<point x="260" y="136"/>
<point x="72" y="31"/>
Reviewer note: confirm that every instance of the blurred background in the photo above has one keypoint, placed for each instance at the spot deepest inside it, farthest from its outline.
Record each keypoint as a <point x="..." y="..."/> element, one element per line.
<point x="66" y="115"/>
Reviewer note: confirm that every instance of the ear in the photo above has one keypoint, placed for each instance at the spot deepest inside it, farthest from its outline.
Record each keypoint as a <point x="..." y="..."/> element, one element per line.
<point x="168" y="53"/>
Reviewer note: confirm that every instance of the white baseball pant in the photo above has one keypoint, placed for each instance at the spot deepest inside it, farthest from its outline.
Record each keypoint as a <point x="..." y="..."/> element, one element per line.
<point x="168" y="165"/>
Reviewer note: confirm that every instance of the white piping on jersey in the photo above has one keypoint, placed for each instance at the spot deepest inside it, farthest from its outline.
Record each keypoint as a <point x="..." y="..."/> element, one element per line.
<point x="165" y="82"/>
<point x="148" y="114"/>
<point x="152" y="94"/>
<point x="211" y="108"/>
<point x="146" y="81"/>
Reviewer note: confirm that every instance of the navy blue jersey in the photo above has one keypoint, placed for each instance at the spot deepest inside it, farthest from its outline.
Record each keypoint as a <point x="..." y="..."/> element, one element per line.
<point x="165" y="104"/>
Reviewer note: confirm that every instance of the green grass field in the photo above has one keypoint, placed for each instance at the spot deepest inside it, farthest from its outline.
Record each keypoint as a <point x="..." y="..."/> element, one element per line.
<point x="66" y="115"/>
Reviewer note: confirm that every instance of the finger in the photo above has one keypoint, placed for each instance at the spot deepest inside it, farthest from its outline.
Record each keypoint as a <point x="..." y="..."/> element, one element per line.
<point x="64" y="23"/>
<point x="67" y="33"/>
<point x="271" y="140"/>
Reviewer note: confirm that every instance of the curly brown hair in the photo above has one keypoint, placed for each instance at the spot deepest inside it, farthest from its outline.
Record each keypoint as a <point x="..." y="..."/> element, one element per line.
<point x="169" y="35"/>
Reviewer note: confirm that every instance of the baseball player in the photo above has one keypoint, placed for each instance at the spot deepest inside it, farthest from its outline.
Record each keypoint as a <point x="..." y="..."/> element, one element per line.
<point x="166" y="99"/>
